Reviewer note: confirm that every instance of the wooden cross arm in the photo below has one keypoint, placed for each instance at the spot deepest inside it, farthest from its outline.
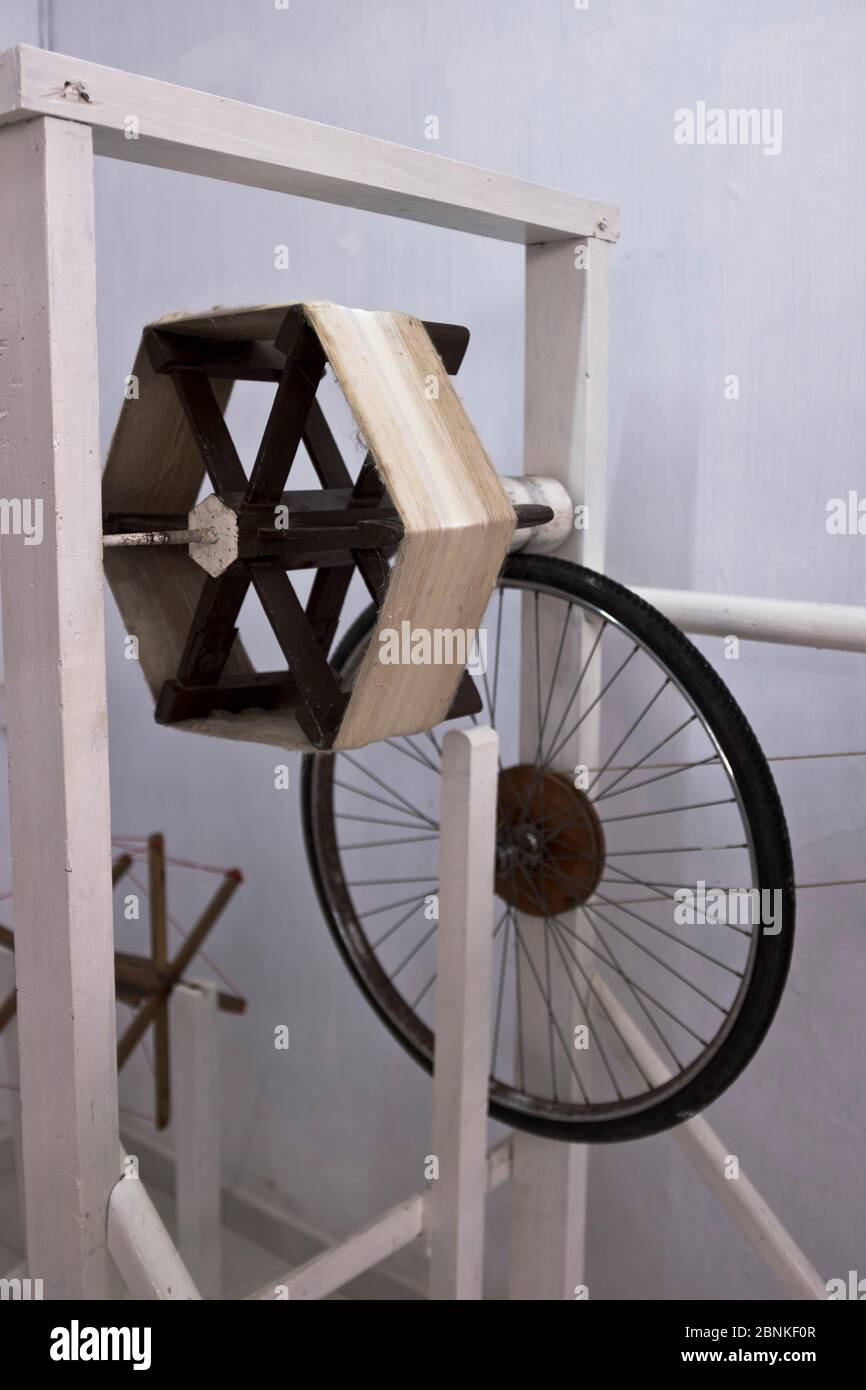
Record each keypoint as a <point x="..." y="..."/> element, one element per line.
<point x="137" y="979"/>
<point x="176" y="967"/>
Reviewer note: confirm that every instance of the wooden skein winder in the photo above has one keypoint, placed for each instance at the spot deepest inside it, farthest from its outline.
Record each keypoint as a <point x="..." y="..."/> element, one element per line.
<point x="427" y="522"/>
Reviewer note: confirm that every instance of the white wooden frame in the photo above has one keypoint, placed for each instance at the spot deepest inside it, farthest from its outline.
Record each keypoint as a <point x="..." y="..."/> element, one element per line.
<point x="56" y="113"/>
<point x="195" y="1087"/>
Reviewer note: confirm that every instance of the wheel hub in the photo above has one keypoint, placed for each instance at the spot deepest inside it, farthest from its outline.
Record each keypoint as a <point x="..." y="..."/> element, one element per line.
<point x="549" y="842"/>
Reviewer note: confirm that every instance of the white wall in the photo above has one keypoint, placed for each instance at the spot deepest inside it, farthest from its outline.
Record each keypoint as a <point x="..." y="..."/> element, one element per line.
<point x="730" y="262"/>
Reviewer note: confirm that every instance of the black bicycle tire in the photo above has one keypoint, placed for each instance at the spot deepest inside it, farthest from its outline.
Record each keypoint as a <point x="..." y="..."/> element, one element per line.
<point x="760" y="804"/>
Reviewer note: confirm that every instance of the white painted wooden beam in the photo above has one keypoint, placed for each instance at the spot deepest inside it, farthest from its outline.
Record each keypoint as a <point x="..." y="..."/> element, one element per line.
<point x="385" y="1235"/>
<point x="838" y="626"/>
<point x="13" y="1096"/>
<point x="708" y="1156"/>
<point x="196" y="1122"/>
<point x="566" y="367"/>
<point x="142" y="1249"/>
<point x="470" y="767"/>
<point x="56" y="706"/>
<point x="565" y="438"/>
<point x="333" y="1268"/>
<point x="198" y="133"/>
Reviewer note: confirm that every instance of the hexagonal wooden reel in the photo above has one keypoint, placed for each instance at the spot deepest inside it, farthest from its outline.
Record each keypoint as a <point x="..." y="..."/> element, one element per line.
<point x="427" y="495"/>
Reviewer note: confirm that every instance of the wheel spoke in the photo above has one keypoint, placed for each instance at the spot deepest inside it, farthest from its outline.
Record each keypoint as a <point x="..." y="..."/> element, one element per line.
<point x="640" y="762"/>
<point x="381" y="844"/>
<point x="370" y="796"/>
<point x="389" y="907"/>
<point x="563" y="946"/>
<point x="414" y="754"/>
<point x="590" y="707"/>
<point x="628" y="878"/>
<point x="560" y="869"/>
<point x="670" y="810"/>
<point x="662" y="931"/>
<point x="685" y="767"/>
<point x="596" y="912"/>
<point x="377" y="820"/>
<point x="412" y="954"/>
<point x="501" y="991"/>
<point x="395" y="926"/>
<point x="552" y="687"/>
<point x="384" y="785"/>
<point x="612" y="962"/>
<point x="566" y="1049"/>
<point x="627" y="735"/>
<point x="576" y="691"/>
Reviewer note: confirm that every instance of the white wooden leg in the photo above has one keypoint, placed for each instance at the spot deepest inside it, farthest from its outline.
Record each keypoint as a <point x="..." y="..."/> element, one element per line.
<point x="462" y="1060"/>
<point x="13" y="1097"/>
<point x="196" y="1121"/>
<point x="565" y="438"/>
<point x="56" y="705"/>
<point x="709" y="1156"/>
<point x="141" y="1247"/>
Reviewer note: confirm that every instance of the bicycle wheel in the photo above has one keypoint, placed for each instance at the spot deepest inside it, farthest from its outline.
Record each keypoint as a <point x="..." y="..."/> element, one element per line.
<point x="644" y="910"/>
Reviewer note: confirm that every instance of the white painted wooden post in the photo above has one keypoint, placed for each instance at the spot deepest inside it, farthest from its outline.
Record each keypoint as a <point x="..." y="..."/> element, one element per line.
<point x="196" y="1123"/>
<point x="56" y="705"/>
<point x="13" y="1097"/>
<point x="565" y="438"/>
<point x="462" y="1059"/>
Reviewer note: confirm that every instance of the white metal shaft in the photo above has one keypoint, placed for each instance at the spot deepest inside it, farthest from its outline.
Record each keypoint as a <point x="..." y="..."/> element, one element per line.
<point x="142" y="538"/>
<point x="547" y="492"/>
<point x="463" y="972"/>
<point x="837" y="626"/>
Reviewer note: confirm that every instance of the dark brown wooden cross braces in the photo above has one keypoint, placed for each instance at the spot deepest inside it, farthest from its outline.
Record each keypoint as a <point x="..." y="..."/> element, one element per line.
<point x="337" y="529"/>
<point x="147" y="982"/>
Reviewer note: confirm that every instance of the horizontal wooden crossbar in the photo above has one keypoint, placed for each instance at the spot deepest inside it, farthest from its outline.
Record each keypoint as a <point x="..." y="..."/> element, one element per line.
<point x="399" y="1226"/>
<point x="794" y="622"/>
<point x="198" y="133"/>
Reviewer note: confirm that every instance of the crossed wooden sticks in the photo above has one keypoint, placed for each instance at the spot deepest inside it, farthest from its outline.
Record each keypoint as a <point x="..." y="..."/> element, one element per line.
<point x="148" y="981"/>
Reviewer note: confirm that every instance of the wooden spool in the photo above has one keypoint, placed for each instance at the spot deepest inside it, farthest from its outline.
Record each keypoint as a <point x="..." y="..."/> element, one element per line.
<point x="428" y="495"/>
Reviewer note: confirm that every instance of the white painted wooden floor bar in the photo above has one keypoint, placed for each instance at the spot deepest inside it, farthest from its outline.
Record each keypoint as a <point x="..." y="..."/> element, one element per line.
<point x="55" y="114"/>
<point x="709" y="1156"/>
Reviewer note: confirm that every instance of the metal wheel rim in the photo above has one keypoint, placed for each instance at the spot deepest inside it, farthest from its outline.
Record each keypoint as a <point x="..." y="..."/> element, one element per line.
<point x="418" y="1035"/>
